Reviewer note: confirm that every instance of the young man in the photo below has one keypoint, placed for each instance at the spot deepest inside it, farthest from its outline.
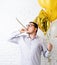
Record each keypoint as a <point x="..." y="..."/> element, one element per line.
<point x="31" y="45"/>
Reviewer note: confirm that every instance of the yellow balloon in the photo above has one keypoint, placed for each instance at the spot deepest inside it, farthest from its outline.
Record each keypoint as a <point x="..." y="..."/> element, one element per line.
<point x="43" y="21"/>
<point x="52" y="14"/>
<point x="42" y="3"/>
<point x="50" y="7"/>
<point x="48" y="4"/>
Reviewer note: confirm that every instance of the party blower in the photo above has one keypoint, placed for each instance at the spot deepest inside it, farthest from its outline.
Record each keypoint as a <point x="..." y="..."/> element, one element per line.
<point x="20" y="23"/>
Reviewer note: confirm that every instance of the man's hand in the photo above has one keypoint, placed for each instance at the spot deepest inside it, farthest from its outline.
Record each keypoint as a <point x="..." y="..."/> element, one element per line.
<point x="49" y="47"/>
<point x="23" y="30"/>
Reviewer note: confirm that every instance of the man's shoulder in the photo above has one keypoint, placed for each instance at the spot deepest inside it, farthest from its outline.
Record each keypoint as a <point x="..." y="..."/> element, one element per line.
<point x="41" y="39"/>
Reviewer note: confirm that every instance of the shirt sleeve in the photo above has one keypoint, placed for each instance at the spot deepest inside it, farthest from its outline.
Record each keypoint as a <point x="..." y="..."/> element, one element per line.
<point x="46" y="53"/>
<point x="15" y="37"/>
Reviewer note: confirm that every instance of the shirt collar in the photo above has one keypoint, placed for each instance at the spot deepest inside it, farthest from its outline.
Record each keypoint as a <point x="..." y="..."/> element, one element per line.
<point x="33" y="38"/>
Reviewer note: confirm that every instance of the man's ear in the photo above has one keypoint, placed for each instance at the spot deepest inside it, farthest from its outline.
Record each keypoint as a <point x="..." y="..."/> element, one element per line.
<point x="36" y="29"/>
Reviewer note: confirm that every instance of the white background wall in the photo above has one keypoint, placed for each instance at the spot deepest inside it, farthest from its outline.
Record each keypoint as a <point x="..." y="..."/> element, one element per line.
<point x="25" y="11"/>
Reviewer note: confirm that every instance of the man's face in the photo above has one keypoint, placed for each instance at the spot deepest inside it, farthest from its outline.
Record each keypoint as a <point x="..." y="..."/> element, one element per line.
<point x="30" y="28"/>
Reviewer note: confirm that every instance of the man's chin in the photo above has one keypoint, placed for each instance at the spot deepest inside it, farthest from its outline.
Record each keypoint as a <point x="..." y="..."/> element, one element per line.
<point x="27" y="32"/>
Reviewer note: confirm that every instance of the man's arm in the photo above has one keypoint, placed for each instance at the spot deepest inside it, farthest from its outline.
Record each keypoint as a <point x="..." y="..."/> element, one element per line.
<point x="47" y="53"/>
<point x="15" y="36"/>
<point x="49" y="49"/>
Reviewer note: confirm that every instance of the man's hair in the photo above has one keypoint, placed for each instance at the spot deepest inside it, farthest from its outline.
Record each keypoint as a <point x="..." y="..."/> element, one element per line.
<point x="35" y="25"/>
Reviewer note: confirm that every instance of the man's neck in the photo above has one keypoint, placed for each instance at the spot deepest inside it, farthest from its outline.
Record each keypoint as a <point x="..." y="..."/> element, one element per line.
<point x="32" y="36"/>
